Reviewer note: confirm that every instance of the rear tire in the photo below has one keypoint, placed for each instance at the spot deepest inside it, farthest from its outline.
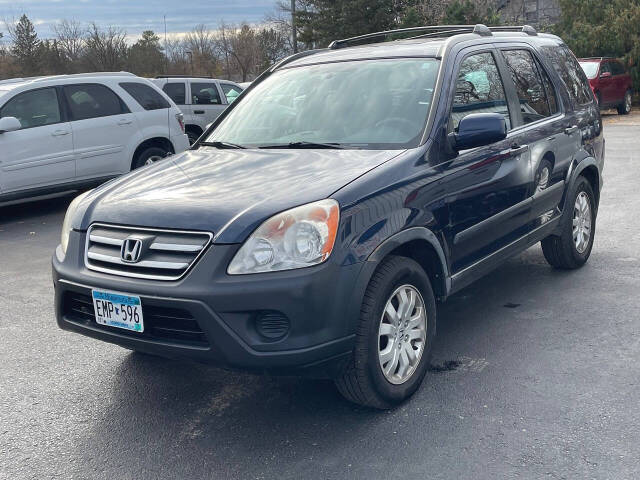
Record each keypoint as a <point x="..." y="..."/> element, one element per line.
<point x="372" y="378"/>
<point x="570" y="250"/>
<point x="625" y="107"/>
<point x="148" y="156"/>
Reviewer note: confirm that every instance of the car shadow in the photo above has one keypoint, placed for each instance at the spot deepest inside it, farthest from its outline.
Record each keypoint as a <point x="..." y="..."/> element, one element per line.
<point x="215" y="419"/>
<point x="27" y="211"/>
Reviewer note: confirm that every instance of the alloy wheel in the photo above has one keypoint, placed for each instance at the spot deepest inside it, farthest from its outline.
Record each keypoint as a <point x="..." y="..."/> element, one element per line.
<point x="627" y="102"/>
<point x="402" y="334"/>
<point x="153" y="159"/>
<point x="582" y="222"/>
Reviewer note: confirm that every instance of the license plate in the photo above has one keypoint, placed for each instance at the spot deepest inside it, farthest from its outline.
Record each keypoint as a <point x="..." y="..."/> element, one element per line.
<point x="118" y="310"/>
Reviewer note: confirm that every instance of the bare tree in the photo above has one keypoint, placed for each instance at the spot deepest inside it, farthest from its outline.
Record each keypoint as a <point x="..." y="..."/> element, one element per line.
<point x="201" y="43"/>
<point x="177" y="58"/>
<point x="70" y="38"/>
<point x="106" y="50"/>
<point x="244" y="49"/>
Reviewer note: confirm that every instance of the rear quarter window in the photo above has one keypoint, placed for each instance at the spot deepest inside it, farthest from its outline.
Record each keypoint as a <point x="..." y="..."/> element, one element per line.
<point x="569" y="70"/>
<point x="147" y="97"/>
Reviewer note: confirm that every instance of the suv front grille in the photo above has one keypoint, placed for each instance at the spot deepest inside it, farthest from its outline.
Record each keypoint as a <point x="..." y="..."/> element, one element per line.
<point x="163" y="254"/>
<point x="170" y="324"/>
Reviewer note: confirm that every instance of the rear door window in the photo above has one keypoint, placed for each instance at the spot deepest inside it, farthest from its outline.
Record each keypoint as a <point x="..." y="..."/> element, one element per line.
<point x="567" y="67"/>
<point x="176" y="92"/>
<point x="146" y="96"/>
<point x="527" y="78"/>
<point x="617" y="68"/>
<point x="93" y="101"/>
<point x="479" y="89"/>
<point x="205" y="94"/>
<point x="550" y="90"/>
<point x="35" y="108"/>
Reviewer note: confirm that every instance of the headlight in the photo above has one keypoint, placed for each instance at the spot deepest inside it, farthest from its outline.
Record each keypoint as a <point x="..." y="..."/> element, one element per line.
<point x="297" y="238"/>
<point x="68" y="218"/>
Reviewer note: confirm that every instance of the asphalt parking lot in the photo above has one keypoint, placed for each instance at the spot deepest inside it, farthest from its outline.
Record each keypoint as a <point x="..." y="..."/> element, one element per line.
<point x="535" y="375"/>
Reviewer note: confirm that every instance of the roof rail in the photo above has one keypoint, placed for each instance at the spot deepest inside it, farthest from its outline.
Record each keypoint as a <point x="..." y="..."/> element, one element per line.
<point x="74" y="75"/>
<point x="434" y="31"/>
<point x="185" y="76"/>
<point x="16" y="80"/>
<point x="291" y="58"/>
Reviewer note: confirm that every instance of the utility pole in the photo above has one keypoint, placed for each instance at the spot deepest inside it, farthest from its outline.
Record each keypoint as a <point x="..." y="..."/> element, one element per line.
<point x="294" y="33"/>
<point x="166" y="53"/>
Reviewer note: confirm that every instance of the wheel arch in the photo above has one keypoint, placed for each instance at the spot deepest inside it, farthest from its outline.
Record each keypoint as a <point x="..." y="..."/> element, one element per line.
<point x="588" y="168"/>
<point x="161" y="142"/>
<point x="422" y="245"/>
<point x="192" y="127"/>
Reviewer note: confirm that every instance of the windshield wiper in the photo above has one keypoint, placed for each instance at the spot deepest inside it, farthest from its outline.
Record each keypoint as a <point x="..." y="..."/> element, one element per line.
<point x="221" y="145"/>
<point x="304" y="145"/>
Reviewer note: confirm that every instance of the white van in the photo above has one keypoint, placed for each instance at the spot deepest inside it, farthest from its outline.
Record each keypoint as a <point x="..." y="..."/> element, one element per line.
<point x="201" y="99"/>
<point x="64" y="132"/>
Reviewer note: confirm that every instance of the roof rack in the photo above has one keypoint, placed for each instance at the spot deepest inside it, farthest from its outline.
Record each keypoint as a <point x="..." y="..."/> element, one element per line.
<point x="435" y="31"/>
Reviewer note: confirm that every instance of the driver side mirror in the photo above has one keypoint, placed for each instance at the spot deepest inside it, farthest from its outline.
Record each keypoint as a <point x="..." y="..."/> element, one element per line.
<point x="9" y="124"/>
<point x="479" y="129"/>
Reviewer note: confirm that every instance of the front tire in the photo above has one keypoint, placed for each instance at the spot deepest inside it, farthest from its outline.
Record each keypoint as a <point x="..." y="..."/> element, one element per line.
<point x="394" y="337"/>
<point x="572" y="248"/>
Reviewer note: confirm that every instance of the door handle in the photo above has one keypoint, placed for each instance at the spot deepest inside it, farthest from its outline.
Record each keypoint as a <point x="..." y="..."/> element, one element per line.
<point x="199" y="112"/>
<point x="518" y="149"/>
<point x="124" y="121"/>
<point x="60" y="133"/>
<point x="571" y="130"/>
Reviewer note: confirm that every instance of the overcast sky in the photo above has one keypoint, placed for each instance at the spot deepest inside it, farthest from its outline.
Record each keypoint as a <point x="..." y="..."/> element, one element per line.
<point x="136" y="16"/>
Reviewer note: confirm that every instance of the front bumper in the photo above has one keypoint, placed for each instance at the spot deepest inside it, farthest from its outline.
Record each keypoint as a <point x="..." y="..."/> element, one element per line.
<point x="321" y="305"/>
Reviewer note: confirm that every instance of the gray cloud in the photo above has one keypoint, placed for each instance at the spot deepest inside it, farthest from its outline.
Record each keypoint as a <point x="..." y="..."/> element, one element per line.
<point x="137" y="15"/>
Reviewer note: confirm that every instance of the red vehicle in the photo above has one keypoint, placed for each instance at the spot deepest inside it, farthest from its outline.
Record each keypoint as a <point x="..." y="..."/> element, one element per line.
<point x="610" y="82"/>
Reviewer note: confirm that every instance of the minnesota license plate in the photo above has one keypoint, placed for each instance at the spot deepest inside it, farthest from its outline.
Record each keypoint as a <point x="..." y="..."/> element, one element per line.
<point x="118" y="310"/>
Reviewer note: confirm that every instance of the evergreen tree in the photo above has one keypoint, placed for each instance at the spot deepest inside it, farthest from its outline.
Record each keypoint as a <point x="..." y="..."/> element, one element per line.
<point x="26" y="46"/>
<point x="594" y="28"/>
<point x="466" y="12"/>
<point x="321" y="21"/>
<point x="146" y="56"/>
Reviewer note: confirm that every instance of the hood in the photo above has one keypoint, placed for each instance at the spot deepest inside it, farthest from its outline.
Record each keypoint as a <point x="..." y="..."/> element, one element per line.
<point x="227" y="192"/>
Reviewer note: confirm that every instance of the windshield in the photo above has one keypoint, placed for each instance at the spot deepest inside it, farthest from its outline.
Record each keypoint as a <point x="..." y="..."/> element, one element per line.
<point x="590" y="68"/>
<point x="372" y="104"/>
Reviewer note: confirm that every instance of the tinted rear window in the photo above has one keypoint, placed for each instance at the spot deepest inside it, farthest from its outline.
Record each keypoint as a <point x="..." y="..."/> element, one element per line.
<point x="146" y="96"/>
<point x="176" y="92"/>
<point x="570" y="72"/>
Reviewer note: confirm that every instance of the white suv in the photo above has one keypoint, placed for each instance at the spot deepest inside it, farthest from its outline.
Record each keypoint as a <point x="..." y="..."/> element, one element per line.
<point x="201" y="99"/>
<point x="63" y="132"/>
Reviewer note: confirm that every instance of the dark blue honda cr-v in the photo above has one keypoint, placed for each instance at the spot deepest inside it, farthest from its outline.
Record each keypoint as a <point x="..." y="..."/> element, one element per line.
<point x="313" y="227"/>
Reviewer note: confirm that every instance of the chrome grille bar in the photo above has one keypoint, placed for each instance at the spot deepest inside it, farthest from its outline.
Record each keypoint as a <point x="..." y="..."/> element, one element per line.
<point x="165" y="254"/>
